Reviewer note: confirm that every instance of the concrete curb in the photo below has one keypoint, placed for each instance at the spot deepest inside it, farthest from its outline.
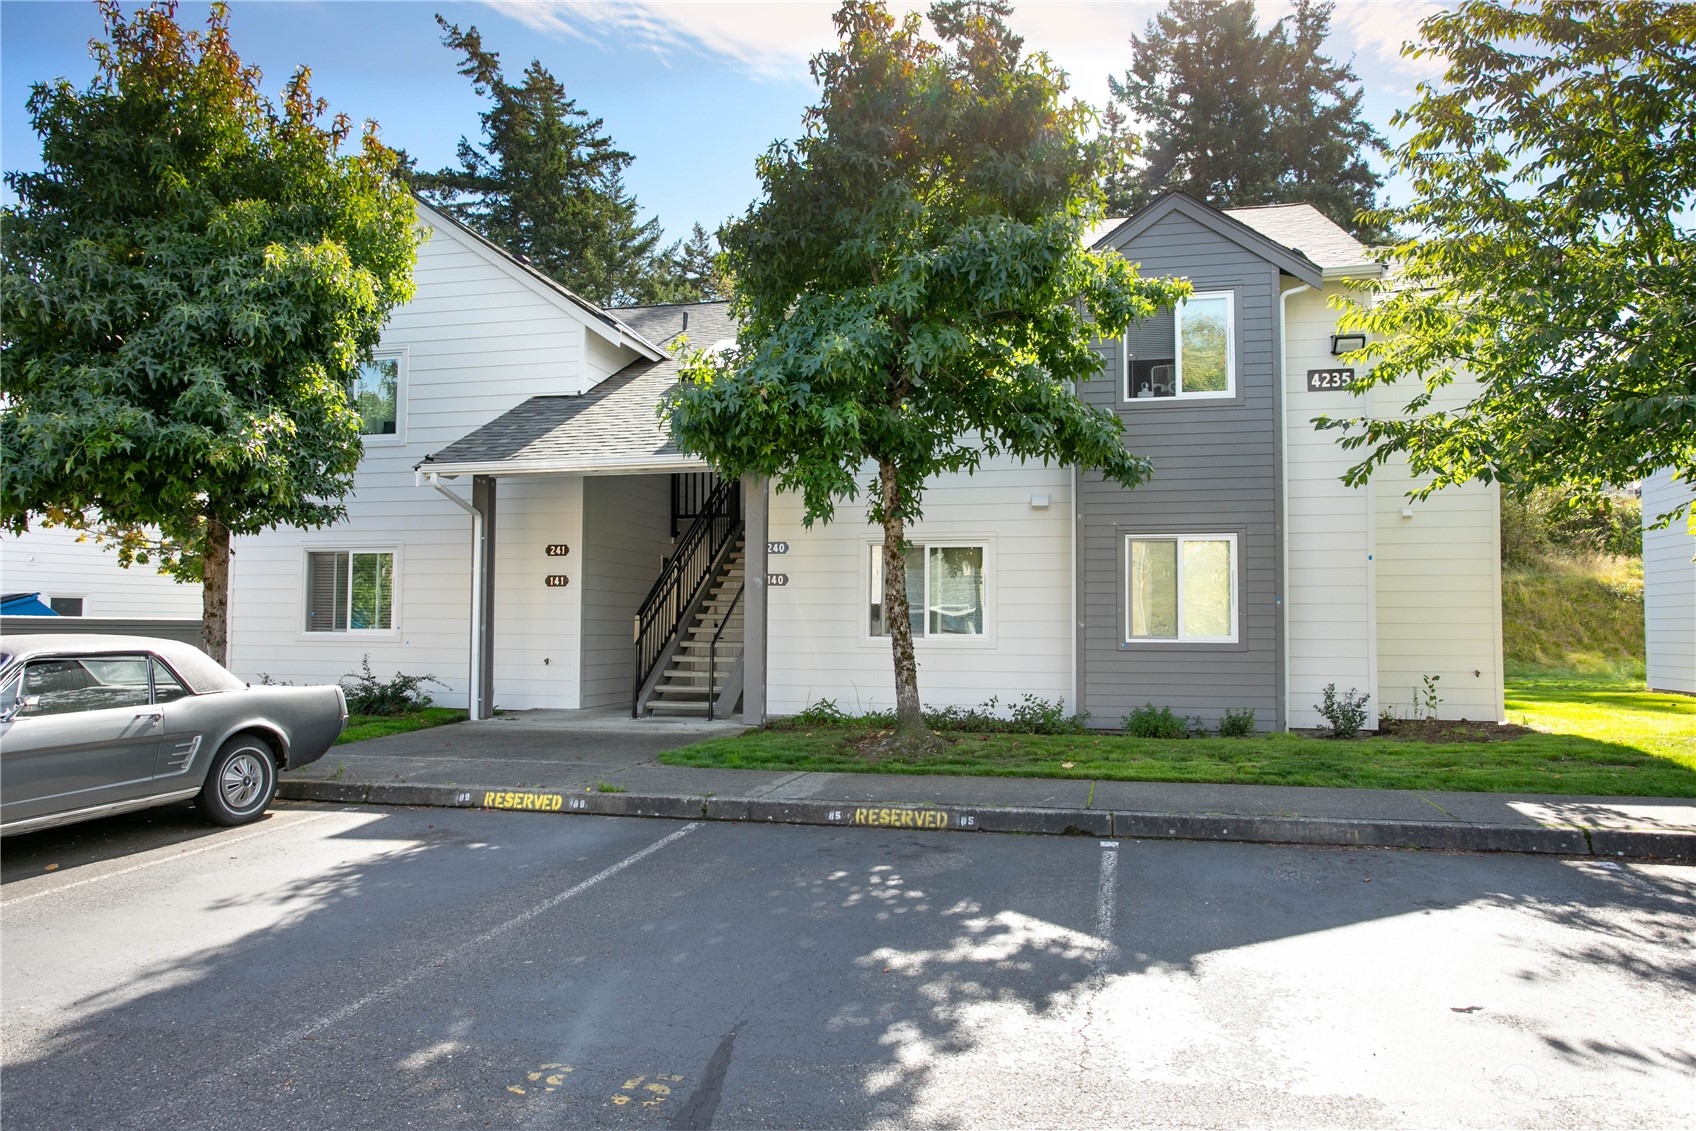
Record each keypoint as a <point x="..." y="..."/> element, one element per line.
<point x="1454" y="836"/>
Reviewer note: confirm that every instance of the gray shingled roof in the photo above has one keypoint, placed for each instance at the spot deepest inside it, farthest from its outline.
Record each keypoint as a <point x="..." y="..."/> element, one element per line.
<point x="1102" y="229"/>
<point x="613" y="425"/>
<point x="1304" y="228"/>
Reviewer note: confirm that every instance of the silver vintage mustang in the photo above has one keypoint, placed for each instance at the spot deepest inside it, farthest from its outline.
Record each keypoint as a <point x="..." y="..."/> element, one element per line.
<point x="96" y="725"/>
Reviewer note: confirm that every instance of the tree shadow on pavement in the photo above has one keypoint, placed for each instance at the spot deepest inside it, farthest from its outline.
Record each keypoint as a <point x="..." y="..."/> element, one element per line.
<point x="427" y="968"/>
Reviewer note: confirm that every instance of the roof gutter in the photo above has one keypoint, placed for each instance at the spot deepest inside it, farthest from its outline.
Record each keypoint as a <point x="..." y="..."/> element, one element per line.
<point x="479" y="709"/>
<point x="636" y="465"/>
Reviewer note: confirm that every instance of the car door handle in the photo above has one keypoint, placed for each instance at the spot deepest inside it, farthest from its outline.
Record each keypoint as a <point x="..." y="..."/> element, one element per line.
<point x="156" y="715"/>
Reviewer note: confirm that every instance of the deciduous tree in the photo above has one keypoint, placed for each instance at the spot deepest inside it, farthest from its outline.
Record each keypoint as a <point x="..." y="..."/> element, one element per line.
<point x="913" y="289"/>
<point x="189" y="285"/>
<point x="1553" y="277"/>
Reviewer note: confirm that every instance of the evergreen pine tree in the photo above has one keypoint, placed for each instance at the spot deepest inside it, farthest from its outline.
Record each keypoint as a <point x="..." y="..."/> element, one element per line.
<point x="546" y="183"/>
<point x="1235" y="116"/>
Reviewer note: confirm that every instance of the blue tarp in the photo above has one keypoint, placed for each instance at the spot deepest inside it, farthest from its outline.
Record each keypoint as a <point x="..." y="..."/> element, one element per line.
<point x="25" y="605"/>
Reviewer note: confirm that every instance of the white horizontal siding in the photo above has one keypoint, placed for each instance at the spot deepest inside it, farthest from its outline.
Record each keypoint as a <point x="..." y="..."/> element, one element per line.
<point x="49" y="560"/>
<point x="478" y="338"/>
<point x="818" y="646"/>
<point x="1669" y="587"/>
<point x="538" y="630"/>
<point x="602" y="359"/>
<point x="1330" y="587"/>
<point x="431" y="539"/>
<point x="1439" y="596"/>
<point x="627" y="535"/>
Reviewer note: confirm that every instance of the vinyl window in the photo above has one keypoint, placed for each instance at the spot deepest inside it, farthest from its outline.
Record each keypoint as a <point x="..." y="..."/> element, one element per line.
<point x="375" y="393"/>
<point x="1188" y="351"/>
<point x="945" y="590"/>
<point x="349" y="591"/>
<point x="1181" y="588"/>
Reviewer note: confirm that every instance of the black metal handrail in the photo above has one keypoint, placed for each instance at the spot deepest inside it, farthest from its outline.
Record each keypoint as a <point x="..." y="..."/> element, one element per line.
<point x="689" y="493"/>
<point x="690" y="568"/>
<point x="712" y="653"/>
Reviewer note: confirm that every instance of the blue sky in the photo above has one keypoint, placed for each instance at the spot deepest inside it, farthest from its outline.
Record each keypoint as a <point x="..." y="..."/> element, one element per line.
<point x="695" y="91"/>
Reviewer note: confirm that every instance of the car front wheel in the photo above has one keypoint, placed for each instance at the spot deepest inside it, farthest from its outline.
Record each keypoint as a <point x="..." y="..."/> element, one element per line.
<point x="240" y="783"/>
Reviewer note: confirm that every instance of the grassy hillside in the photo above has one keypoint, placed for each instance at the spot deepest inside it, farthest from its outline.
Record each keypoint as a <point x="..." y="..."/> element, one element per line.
<point x="1580" y="613"/>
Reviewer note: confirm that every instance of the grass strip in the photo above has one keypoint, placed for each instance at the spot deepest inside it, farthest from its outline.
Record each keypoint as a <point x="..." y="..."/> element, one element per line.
<point x="1609" y="739"/>
<point x="361" y="727"/>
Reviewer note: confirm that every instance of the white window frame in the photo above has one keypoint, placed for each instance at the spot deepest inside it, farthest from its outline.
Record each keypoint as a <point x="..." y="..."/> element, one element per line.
<point x="303" y="633"/>
<point x="1128" y="395"/>
<point x="1180" y="639"/>
<point x="985" y="546"/>
<point x="397" y="354"/>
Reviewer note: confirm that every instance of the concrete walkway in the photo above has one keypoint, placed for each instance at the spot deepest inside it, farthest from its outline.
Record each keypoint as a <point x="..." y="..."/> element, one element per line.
<point x="605" y="762"/>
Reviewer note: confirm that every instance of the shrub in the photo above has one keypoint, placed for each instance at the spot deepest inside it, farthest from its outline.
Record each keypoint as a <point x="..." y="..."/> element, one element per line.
<point x="823" y="713"/>
<point x="367" y="695"/>
<point x="1237" y="723"/>
<point x="1031" y="715"/>
<point x="1149" y="721"/>
<point x="1346" y="712"/>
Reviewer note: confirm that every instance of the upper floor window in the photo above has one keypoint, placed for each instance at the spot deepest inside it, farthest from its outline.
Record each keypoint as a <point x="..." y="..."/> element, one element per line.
<point x="1187" y="351"/>
<point x="375" y="394"/>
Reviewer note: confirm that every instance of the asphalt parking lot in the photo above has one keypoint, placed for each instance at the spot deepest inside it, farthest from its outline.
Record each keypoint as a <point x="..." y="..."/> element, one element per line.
<point x="391" y="968"/>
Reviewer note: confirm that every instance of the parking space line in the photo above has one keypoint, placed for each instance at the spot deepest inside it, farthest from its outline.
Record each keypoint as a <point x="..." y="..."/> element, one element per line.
<point x="425" y="967"/>
<point x="216" y="842"/>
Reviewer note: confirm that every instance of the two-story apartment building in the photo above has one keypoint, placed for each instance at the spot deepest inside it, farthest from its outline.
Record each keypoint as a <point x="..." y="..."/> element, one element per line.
<point x="523" y="528"/>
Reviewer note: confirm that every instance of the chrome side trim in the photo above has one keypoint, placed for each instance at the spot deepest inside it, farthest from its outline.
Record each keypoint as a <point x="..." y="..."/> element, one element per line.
<point x="110" y="810"/>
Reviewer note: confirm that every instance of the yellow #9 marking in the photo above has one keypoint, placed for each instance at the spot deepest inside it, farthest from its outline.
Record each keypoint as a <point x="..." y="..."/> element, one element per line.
<point x="902" y="818"/>
<point x="541" y="802"/>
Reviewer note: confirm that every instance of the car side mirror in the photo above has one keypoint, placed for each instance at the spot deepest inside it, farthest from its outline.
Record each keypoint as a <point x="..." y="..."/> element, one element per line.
<point x="21" y="703"/>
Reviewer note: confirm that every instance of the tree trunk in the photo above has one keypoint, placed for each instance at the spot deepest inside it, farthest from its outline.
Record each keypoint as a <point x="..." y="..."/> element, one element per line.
<point x="215" y="592"/>
<point x="909" y="718"/>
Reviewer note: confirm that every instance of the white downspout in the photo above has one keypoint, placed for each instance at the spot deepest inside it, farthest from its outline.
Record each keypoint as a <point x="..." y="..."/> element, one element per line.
<point x="478" y="710"/>
<point x="1284" y="487"/>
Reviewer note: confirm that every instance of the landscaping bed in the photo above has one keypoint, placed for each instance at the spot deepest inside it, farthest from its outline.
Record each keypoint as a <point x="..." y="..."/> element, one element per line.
<point x="1563" y="736"/>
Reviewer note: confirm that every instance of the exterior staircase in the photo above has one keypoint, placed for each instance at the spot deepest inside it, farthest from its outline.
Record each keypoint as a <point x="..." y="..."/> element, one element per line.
<point x="709" y="649"/>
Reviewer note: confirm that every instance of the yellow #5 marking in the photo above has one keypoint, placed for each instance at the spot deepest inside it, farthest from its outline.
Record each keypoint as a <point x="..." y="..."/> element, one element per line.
<point x="902" y="818"/>
<point x="543" y="802"/>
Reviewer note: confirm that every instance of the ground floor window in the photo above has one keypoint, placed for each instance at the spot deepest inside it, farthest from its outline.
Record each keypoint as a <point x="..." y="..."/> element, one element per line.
<point x="349" y="591"/>
<point x="1181" y="587"/>
<point x="945" y="590"/>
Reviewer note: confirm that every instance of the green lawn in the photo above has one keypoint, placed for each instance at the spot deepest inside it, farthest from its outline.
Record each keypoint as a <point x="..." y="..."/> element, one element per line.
<point x="361" y="727"/>
<point x="1609" y="738"/>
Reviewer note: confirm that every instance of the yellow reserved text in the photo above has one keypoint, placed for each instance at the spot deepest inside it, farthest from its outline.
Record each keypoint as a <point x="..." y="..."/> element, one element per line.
<point x="541" y="802"/>
<point x="902" y="818"/>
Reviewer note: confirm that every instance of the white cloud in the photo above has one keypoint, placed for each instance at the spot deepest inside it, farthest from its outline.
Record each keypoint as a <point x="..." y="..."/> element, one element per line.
<point x="1378" y="28"/>
<point x="1089" y="39"/>
<point x="772" y="41"/>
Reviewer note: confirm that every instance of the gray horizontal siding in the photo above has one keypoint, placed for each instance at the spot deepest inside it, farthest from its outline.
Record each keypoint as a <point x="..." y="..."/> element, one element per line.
<point x="626" y="534"/>
<point x="186" y="631"/>
<point x="1215" y="470"/>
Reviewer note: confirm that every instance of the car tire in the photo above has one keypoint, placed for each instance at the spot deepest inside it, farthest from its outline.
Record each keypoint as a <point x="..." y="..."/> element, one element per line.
<point x="240" y="783"/>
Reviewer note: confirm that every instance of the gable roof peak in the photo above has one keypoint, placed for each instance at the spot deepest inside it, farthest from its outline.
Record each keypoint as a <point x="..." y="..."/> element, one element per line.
<point x="591" y="315"/>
